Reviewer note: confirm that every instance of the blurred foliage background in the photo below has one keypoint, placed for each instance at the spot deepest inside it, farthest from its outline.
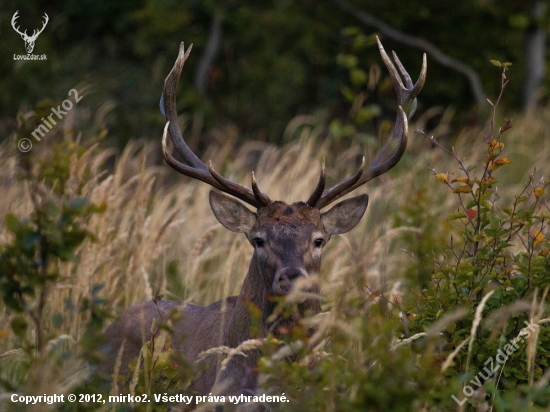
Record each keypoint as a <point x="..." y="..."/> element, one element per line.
<point x="268" y="61"/>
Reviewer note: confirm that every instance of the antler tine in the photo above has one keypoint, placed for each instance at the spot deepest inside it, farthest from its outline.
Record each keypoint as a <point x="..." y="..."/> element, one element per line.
<point x="412" y="90"/>
<point x="404" y="73"/>
<point x="169" y="111"/>
<point x="36" y="32"/>
<point x="392" y="152"/>
<point x="14" y="22"/>
<point x="262" y="197"/>
<point x="195" y="167"/>
<point x="235" y="189"/>
<point x="211" y="177"/>
<point x="405" y="95"/>
<point x="340" y="189"/>
<point x="47" y="19"/>
<point x="318" y="192"/>
<point x="181" y="167"/>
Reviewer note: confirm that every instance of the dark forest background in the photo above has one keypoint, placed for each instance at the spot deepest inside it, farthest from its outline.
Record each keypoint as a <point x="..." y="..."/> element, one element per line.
<point x="257" y="64"/>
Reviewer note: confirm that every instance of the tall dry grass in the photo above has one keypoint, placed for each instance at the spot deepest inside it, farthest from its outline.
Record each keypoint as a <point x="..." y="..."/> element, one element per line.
<point x="156" y="220"/>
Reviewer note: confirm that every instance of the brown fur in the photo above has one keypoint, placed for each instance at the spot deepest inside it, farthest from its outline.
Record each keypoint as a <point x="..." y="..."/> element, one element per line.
<point x="288" y="251"/>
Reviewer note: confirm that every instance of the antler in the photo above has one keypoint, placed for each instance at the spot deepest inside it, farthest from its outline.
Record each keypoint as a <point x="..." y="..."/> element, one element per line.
<point x="195" y="168"/>
<point x="13" y="22"/>
<point x="35" y="32"/>
<point x="390" y="155"/>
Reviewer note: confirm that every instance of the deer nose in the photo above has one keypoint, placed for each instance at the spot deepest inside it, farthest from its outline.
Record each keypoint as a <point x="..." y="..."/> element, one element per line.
<point x="284" y="278"/>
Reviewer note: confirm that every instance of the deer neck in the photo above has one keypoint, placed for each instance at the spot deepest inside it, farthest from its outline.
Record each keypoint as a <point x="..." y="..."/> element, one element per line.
<point x="253" y="298"/>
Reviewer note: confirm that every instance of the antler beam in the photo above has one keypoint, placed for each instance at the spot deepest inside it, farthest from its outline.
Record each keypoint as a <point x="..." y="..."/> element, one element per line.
<point x="390" y="155"/>
<point x="194" y="167"/>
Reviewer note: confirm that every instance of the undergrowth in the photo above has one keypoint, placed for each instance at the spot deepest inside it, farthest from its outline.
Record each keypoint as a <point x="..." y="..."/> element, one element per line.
<point x="436" y="301"/>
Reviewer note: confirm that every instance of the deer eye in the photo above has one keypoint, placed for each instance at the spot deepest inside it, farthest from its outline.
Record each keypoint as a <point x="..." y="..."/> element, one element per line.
<point x="318" y="242"/>
<point x="258" y="242"/>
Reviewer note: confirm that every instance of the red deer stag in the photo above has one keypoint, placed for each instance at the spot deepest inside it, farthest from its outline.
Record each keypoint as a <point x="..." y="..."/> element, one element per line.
<point x="287" y="242"/>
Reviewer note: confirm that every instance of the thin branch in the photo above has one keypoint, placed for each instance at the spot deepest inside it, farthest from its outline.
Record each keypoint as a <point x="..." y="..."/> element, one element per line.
<point x="432" y="50"/>
<point x="212" y="47"/>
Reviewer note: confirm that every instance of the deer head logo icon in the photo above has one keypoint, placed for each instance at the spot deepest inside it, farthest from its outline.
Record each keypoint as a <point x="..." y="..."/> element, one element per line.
<point x="29" y="40"/>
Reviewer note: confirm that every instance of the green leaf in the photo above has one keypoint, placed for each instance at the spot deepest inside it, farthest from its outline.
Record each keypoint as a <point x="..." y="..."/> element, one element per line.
<point x="349" y="61"/>
<point x="29" y="239"/>
<point x="351" y="31"/>
<point x="521" y="199"/>
<point x="455" y="216"/>
<point x="462" y="189"/>
<point x="358" y="77"/>
<point x="12" y="223"/>
<point x="348" y="93"/>
<point x="97" y="288"/>
<point x="366" y="114"/>
<point x="76" y="205"/>
<point x="19" y="326"/>
<point x="519" y="21"/>
<point x="57" y="319"/>
<point x="94" y="208"/>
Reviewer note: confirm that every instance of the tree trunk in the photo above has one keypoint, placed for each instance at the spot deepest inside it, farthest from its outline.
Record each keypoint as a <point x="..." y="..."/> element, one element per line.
<point x="535" y="56"/>
<point x="212" y="47"/>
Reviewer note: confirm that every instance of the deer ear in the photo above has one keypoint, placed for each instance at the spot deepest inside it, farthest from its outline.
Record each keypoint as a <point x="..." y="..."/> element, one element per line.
<point x="231" y="213"/>
<point x="345" y="215"/>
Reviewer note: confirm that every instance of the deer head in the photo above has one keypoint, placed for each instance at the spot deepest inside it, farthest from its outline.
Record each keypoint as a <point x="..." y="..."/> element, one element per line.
<point x="287" y="239"/>
<point x="29" y="40"/>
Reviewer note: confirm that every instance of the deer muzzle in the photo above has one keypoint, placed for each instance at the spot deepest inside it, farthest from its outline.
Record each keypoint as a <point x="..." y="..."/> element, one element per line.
<point x="285" y="278"/>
